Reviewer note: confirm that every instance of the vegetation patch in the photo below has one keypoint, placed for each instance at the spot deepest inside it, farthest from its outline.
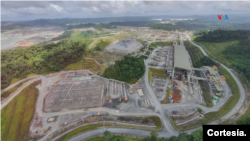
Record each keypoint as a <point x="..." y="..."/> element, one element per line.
<point x="206" y="94"/>
<point x="129" y="69"/>
<point x="14" y="80"/>
<point x="16" y="116"/>
<point x="155" y="72"/>
<point x="117" y="37"/>
<point x="157" y="121"/>
<point x="82" y="129"/>
<point x="156" y="44"/>
<point x="40" y="59"/>
<point x="5" y="94"/>
<point x="85" y="64"/>
<point x="167" y="98"/>
<point x="102" y="44"/>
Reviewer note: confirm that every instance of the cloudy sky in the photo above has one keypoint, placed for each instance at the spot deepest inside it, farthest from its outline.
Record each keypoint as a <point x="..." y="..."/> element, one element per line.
<point x="26" y="10"/>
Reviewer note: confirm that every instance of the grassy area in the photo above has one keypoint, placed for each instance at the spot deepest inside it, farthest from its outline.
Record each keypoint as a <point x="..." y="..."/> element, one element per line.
<point x="215" y="50"/>
<point x="206" y="94"/>
<point x="103" y="43"/>
<point x="84" y="64"/>
<point x="167" y="98"/>
<point x="155" y="44"/>
<point x="224" y="109"/>
<point x="32" y="74"/>
<point x="117" y="37"/>
<point x="155" y="72"/>
<point x="195" y="53"/>
<point x="95" y="126"/>
<point x="199" y="110"/>
<point x="11" y="90"/>
<point x="178" y="42"/>
<point x="14" y="80"/>
<point x="82" y="129"/>
<point x="16" y="116"/>
<point x="156" y="119"/>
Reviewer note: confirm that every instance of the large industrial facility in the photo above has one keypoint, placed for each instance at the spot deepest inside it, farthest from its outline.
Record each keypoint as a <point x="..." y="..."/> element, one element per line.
<point x="182" y="65"/>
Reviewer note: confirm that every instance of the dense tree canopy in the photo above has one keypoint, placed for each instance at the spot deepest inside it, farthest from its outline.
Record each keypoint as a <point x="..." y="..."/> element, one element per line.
<point x="205" y="61"/>
<point x="245" y="121"/>
<point x="223" y="35"/>
<point x="238" y="54"/>
<point x="40" y="59"/>
<point x="128" y="69"/>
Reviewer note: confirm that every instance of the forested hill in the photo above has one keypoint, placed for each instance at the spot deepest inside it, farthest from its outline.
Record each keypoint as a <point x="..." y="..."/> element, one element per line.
<point x="40" y="59"/>
<point x="238" y="54"/>
<point x="223" y="35"/>
<point x="129" y="69"/>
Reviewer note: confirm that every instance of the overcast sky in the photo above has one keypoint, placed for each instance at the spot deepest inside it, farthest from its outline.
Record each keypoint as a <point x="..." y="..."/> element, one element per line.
<point x="18" y="10"/>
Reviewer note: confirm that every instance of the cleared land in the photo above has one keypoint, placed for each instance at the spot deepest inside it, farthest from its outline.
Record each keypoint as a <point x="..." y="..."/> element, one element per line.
<point x="74" y="95"/>
<point x="16" y="116"/>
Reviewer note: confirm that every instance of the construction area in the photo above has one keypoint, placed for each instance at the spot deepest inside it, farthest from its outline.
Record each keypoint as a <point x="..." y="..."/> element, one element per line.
<point x="75" y="91"/>
<point x="161" y="36"/>
<point x="27" y="36"/>
<point x="159" y="87"/>
<point x="177" y="65"/>
<point x="162" y="58"/>
<point x="219" y="89"/>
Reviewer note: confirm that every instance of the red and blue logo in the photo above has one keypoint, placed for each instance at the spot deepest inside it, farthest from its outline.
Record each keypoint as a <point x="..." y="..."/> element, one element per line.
<point x="223" y="17"/>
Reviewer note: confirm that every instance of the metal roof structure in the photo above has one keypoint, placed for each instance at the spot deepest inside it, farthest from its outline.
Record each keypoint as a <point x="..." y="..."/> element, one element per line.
<point x="218" y="88"/>
<point x="215" y="97"/>
<point x="181" y="59"/>
<point x="210" y="71"/>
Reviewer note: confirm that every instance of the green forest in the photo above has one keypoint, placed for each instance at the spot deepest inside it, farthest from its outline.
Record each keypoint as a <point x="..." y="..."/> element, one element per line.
<point x="223" y="35"/>
<point x="129" y="69"/>
<point x="205" y="61"/>
<point x="194" y="136"/>
<point x="238" y="54"/>
<point x="244" y="121"/>
<point x="40" y="59"/>
<point x="83" y="34"/>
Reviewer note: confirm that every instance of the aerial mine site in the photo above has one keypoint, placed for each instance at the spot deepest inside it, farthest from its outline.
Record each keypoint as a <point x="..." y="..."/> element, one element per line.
<point x="121" y="77"/>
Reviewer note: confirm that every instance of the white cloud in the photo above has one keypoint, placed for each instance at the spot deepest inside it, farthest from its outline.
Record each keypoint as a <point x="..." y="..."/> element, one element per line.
<point x="56" y="7"/>
<point x="15" y="9"/>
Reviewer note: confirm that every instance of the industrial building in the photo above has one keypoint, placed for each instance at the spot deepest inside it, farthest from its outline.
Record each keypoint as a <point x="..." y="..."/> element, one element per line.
<point x="182" y="65"/>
